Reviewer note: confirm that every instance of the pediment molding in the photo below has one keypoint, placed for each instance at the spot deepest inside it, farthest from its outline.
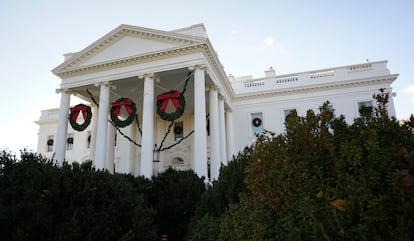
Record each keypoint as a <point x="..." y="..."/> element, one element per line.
<point x="68" y="72"/>
<point x="74" y="63"/>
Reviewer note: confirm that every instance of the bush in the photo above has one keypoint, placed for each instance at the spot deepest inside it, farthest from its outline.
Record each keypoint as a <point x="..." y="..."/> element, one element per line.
<point x="175" y="195"/>
<point x="39" y="201"/>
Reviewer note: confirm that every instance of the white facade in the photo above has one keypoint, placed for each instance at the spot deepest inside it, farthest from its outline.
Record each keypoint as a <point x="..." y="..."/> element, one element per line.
<point x="140" y="64"/>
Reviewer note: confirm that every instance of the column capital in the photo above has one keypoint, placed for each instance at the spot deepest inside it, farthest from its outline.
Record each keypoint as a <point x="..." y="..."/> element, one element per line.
<point x="212" y="87"/>
<point x="198" y="66"/>
<point x="149" y="75"/>
<point x="64" y="90"/>
<point x="104" y="83"/>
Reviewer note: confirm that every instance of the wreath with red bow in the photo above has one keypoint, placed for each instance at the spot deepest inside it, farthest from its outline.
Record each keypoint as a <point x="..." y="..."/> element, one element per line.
<point x="50" y="142"/>
<point x="177" y="99"/>
<point x="70" y="140"/>
<point x="86" y="114"/>
<point x="257" y="122"/>
<point x="130" y="108"/>
<point x="178" y="130"/>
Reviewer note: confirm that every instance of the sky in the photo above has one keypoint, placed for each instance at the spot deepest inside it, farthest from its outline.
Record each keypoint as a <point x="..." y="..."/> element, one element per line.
<point x="249" y="37"/>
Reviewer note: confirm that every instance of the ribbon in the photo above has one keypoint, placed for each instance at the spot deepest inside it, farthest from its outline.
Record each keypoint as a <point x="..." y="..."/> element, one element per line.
<point x="127" y="103"/>
<point x="174" y="96"/>
<point x="80" y="108"/>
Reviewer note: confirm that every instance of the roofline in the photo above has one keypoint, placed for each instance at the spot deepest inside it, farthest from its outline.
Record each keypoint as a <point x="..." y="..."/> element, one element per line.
<point x="118" y="31"/>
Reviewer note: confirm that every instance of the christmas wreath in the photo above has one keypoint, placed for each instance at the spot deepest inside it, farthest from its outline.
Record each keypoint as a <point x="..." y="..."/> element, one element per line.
<point x="257" y="122"/>
<point x="177" y="99"/>
<point x="74" y="113"/>
<point x="178" y="130"/>
<point x="50" y="142"/>
<point x="116" y="109"/>
<point x="70" y="140"/>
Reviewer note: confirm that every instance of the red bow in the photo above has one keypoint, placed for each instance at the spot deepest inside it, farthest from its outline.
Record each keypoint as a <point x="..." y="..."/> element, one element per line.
<point x="81" y="108"/>
<point x="171" y="96"/>
<point x="127" y="103"/>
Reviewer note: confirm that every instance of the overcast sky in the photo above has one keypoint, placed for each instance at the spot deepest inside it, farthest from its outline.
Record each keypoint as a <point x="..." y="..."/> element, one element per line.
<point x="249" y="36"/>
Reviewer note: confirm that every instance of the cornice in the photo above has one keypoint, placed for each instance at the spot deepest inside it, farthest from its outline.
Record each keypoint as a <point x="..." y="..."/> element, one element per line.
<point x="311" y="88"/>
<point x="129" y="60"/>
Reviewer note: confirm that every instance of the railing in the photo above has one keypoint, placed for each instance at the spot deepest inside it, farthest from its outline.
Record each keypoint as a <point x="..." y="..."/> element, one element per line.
<point x="253" y="83"/>
<point x="321" y="74"/>
<point x="359" y="68"/>
<point x="288" y="79"/>
<point x="50" y="114"/>
<point x="317" y="77"/>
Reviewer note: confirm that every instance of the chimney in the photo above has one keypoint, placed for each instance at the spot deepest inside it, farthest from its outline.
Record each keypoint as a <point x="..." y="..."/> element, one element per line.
<point x="270" y="73"/>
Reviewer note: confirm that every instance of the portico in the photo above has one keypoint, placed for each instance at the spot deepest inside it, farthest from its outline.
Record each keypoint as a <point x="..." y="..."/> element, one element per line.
<point x="121" y="64"/>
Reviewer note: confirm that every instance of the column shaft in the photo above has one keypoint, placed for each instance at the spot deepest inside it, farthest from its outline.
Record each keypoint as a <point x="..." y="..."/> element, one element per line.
<point x="229" y="135"/>
<point x="110" y="149"/>
<point x="94" y="124"/>
<point x="222" y="123"/>
<point x="102" y="128"/>
<point x="200" y="123"/>
<point x="62" y="129"/>
<point x="147" y="127"/>
<point x="214" y="134"/>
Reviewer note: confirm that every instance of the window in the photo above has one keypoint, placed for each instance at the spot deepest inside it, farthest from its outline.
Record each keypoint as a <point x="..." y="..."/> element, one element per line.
<point x="69" y="145"/>
<point x="365" y="108"/>
<point x="178" y="130"/>
<point x="177" y="161"/>
<point x="49" y="143"/>
<point x="286" y="113"/>
<point x="256" y="123"/>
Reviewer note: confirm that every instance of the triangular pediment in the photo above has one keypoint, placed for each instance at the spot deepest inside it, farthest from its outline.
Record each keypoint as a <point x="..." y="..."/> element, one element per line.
<point x="127" y="42"/>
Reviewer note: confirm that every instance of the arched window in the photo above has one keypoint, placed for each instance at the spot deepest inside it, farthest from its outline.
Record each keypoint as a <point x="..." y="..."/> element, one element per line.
<point x="177" y="160"/>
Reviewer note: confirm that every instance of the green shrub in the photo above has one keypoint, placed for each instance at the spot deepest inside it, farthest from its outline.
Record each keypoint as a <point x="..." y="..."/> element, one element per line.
<point x="39" y="201"/>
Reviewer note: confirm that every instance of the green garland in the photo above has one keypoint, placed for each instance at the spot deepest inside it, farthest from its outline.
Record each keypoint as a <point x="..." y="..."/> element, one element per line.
<point x="74" y="113"/>
<point x="129" y="106"/>
<point x="177" y="99"/>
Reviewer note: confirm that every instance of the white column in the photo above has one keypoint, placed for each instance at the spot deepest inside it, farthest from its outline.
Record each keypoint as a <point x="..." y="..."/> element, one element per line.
<point x="222" y="123"/>
<point x="200" y="123"/>
<point x="214" y="134"/>
<point x="102" y="129"/>
<point x="62" y="128"/>
<point x="147" y="127"/>
<point x="110" y="145"/>
<point x="229" y="134"/>
<point x="126" y="162"/>
<point x="93" y="131"/>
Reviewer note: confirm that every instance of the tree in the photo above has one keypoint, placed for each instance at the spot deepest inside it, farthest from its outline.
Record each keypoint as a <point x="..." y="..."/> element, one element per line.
<point x="326" y="180"/>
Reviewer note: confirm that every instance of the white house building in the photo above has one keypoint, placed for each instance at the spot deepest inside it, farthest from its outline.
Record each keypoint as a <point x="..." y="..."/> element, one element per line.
<point x="157" y="99"/>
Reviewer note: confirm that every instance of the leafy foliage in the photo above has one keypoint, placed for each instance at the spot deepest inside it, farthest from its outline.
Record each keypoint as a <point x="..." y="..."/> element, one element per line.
<point x="326" y="180"/>
<point x="205" y="226"/>
<point x="175" y="195"/>
<point x="39" y="201"/>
